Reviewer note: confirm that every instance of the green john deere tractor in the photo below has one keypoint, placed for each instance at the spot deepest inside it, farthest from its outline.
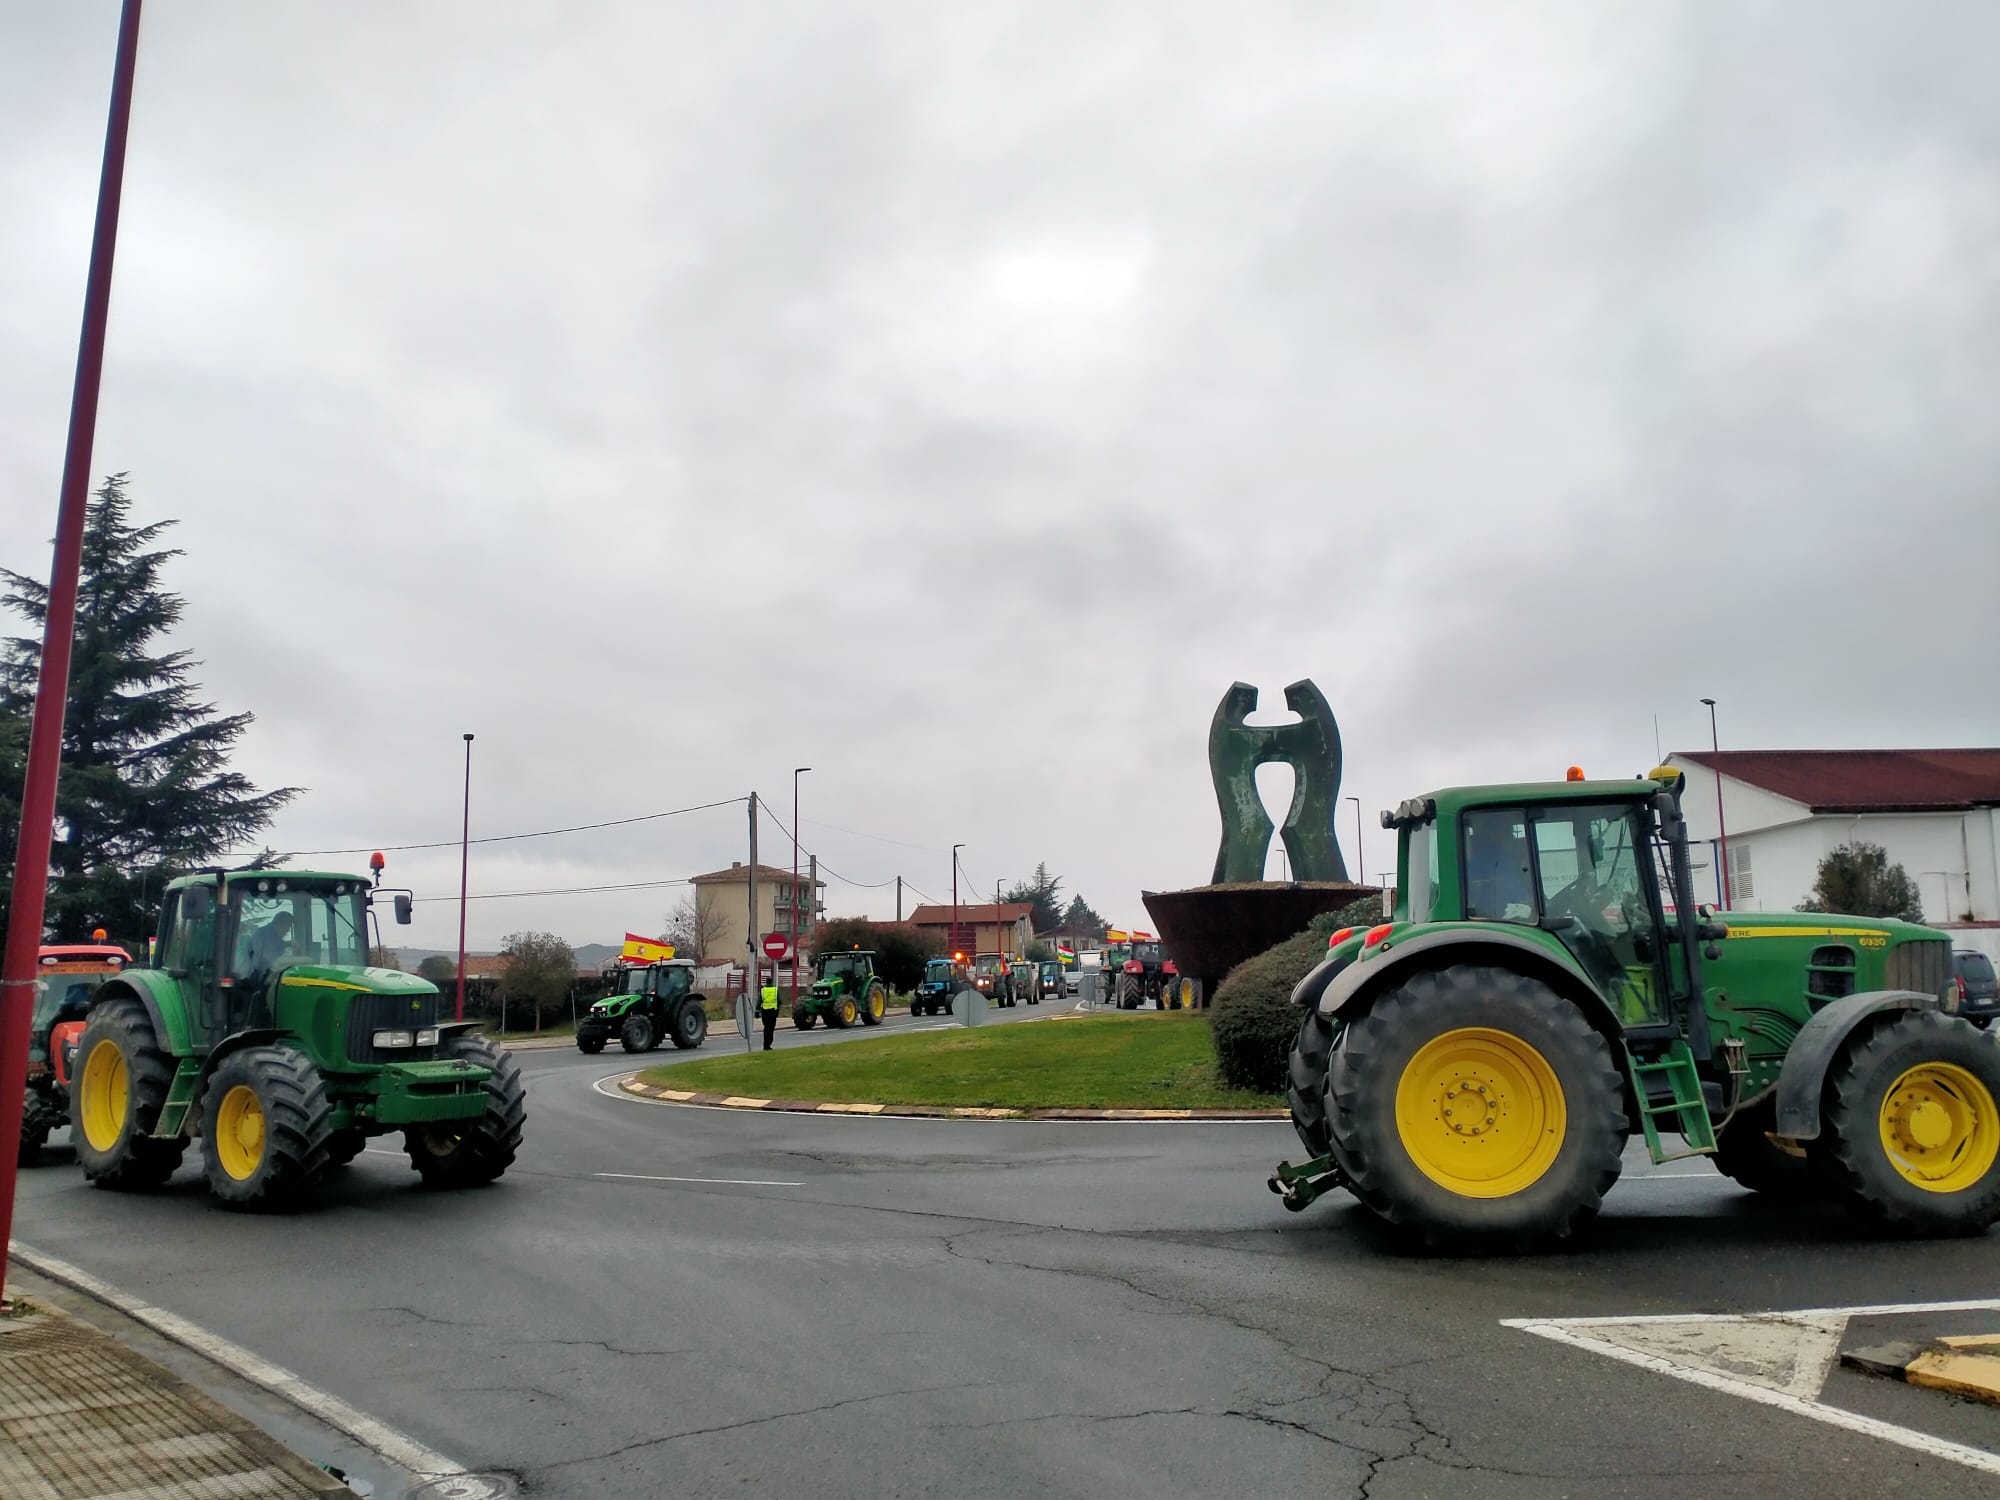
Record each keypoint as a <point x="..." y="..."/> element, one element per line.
<point x="1546" y="986"/>
<point x="648" y="1004"/>
<point x="845" y="989"/>
<point x="261" y="1031"/>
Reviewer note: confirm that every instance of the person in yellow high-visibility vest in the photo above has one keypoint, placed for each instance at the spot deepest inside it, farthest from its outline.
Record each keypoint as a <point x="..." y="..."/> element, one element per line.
<point x="767" y="1005"/>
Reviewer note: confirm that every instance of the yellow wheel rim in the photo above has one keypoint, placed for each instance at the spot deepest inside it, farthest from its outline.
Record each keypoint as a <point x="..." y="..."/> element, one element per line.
<point x="239" y="1132"/>
<point x="847" y="1010"/>
<point x="104" y="1095"/>
<point x="1940" y="1127"/>
<point x="1480" y="1112"/>
<point x="876" y="1004"/>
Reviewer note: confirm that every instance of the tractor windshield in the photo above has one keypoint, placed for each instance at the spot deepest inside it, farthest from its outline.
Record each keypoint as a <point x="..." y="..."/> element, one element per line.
<point x="281" y="921"/>
<point x="1147" y="953"/>
<point x="938" y="971"/>
<point x="635" y="982"/>
<point x="841" y="966"/>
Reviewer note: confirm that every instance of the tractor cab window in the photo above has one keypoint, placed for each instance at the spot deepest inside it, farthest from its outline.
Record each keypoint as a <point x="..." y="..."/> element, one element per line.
<point x="674" y="982"/>
<point x="190" y="928"/>
<point x="1419" y="884"/>
<point x="1499" y="886"/>
<point x="278" y="922"/>
<point x="635" y="982"/>
<point x="840" y="966"/>
<point x="1590" y="869"/>
<point x="1146" y="953"/>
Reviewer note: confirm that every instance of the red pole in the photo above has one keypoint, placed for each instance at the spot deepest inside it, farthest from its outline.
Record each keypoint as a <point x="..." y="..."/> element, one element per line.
<point x="38" y="795"/>
<point x="464" y="852"/>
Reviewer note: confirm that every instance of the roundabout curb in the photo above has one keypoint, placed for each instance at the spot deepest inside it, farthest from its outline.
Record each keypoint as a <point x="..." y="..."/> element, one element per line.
<point x="630" y="1084"/>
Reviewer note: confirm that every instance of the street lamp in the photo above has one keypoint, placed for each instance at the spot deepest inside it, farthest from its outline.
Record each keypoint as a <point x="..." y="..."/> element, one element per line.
<point x="464" y="853"/>
<point x="1721" y="832"/>
<point x="954" y="900"/>
<point x="797" y="772"/>
<point x="1360" y="859"/>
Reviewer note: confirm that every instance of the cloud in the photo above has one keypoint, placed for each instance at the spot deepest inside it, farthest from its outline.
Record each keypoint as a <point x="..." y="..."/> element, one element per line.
<point x="959" y="401"/>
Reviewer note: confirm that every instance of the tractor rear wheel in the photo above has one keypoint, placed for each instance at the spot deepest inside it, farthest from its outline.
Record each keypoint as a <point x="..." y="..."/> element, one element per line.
<point x="1130" y="992"/>
<point x="122" y="1078"/>
<point x="265" y="1129"/>
<point x="1745" y="1152"/>
<point x="803" y="1019"/>
<point x="1305" y="1086"/>
<point x="1474" y="1105"/>
<point x="1912" y="1128"/>
<point x="691" y="1024"/>
<point x="472" y="1153"/>
<point x="874" y="1004"/>
<point x="636" y="1035"/>
<point x="39" y="1116"/>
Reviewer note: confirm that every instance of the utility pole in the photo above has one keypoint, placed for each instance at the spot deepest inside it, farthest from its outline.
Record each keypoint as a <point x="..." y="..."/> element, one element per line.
<point x="899" y="900"/>
<point x="797" y="772"/>
<point x="755" y="939"/>
<point x="464" y="858"/>
<point x="38" y="792"/>
<point x="954" y="899"/>
<point x="999" y="943"/>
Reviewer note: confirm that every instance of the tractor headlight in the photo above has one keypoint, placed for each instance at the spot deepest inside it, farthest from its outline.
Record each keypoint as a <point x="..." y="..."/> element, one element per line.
<point x="428" y="1037"/>
<point x="395" y="1039"/>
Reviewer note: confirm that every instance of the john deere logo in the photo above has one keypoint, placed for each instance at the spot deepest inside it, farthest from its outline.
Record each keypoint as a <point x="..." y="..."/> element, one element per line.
<point x="416" y="1005"/>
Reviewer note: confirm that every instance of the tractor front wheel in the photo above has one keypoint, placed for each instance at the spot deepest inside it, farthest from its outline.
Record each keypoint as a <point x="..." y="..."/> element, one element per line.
<point x="1745" y="1152"/>
<point x="39" y="1116"/>
<point x="1473" y="1105"/>
<point x="1305" y="1086"/>
<point x="592" y="1045"/>
<point x="844" y="1013"/>
<point x="691" y="1024"/>
<point x="874" y="1004"/>
<point x="636" y="1035"/>
<point x="1912" y="1129"/>
<point x="122" y="1078"/>
<point x="803" y="1019"/>
<point x="265" y="1129"/>
<point x="472" y="1153"/>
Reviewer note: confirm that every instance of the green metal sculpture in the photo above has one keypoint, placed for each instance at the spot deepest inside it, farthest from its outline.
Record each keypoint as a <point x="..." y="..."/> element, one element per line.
<point x="1311" y="748"/>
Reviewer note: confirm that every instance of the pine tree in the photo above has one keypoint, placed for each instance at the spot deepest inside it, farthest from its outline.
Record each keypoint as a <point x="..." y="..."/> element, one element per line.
<point x="145" y="791"/>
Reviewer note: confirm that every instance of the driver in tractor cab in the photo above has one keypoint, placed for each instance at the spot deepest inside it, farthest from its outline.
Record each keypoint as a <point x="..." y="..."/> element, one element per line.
<point x="271" y="942"/>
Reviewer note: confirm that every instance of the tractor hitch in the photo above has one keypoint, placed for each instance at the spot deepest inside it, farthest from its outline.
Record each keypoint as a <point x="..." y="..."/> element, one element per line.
<point x="1301" y="1185"/>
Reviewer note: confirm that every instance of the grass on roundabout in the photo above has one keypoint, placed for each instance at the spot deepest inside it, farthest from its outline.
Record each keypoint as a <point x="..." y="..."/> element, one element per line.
<point x="1148" y="1060"/>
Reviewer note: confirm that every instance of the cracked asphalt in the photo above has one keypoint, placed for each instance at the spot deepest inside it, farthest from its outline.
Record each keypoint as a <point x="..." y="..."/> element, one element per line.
<point x="999" y="1309"/>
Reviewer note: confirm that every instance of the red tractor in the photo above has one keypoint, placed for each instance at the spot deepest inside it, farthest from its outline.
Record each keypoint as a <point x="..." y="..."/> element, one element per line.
<point x="66" y="975"/>
<point x="1139" y="971"/>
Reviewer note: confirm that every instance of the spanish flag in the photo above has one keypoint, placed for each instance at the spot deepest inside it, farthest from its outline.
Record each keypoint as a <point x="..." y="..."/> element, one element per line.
<point x="640" y="950"/>
<point x="1113" y="935"/>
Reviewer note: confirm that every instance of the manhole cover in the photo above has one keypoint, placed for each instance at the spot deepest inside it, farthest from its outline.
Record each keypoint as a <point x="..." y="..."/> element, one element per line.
<point x="467" y="1487"/>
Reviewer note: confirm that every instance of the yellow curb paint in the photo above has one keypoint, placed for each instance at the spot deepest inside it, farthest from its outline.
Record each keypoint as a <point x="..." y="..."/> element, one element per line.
<point x="849" y="1109"/>
<point x="1973" y="1376"/>
<point x="984" y="1114"/>
<point x="679" y="1096"/>
<point x="739" y="1101"/>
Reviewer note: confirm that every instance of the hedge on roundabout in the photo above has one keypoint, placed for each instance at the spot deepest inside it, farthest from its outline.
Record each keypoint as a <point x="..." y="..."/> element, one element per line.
<point x="1251" y="1019"/>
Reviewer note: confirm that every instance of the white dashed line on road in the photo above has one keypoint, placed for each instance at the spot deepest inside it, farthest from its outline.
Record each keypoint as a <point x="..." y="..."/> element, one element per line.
<point x="712" y="1181"/>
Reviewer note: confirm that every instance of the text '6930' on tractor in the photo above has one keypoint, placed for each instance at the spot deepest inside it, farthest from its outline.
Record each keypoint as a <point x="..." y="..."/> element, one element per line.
<point x="261" y="1031"/>
<point x="1471" y="1067"/>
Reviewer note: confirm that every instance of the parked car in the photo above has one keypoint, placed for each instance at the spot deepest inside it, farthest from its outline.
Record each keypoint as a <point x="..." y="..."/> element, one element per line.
<point x="1978" y="986"/>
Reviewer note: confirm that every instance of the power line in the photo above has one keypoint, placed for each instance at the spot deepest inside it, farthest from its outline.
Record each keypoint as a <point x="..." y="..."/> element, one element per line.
<point x="913" y="890"/>
<point x="567" y="890"/>
<point x="503" y="838"/>
<point x="875" y="837"/>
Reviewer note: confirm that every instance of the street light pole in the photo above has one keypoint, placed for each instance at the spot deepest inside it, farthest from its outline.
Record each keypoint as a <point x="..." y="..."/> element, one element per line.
<point x="1721" y="832"/>
<point x="464" y="863"/>
<point x="797" y="772"/>
<point x="1360" y="859"/>
<point x="38" y="793"/>
<point x="954" y="900"/>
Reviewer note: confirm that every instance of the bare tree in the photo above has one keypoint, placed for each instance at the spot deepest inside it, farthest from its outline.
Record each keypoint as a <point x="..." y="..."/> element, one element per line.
<point x="694" y="927"/>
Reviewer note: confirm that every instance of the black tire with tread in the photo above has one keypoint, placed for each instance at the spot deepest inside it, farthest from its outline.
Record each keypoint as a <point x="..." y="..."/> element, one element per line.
<point x="869" y="1015"/>
<point x="1378" y="1045"/>
<point x="138" y="1159"/>
<point x="1848" y="1154"/>
<point x="40" y="1115"/>
<point x="802" y="1020"/>
<point x="1131" y="992"/>
<point x="592" y="1045"/>
<point x="478" y="1150"/>
<point x="298" y="1128"/>
<point x="1745" y="1154"/>
<point x="1305" y="1084"/>
<point x="343" y="1146"/>
<point x="690" y="1027"/>
<point x="636" y="1035"/>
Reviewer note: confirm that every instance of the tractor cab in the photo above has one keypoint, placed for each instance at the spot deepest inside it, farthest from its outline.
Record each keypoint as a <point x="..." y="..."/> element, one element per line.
<point x="661" y="981"/>
<point x="847" y="968"/>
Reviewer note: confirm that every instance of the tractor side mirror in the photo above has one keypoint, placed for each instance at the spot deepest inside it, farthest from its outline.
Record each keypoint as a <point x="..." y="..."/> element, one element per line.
<point x="404" y="906"/>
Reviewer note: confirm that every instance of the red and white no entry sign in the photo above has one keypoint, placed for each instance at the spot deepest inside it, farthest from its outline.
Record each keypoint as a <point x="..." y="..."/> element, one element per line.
<point x="777" y="947"/>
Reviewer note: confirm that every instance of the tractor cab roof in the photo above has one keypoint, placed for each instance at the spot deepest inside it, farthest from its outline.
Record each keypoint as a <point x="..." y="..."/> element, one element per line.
<point x="1452" y="800"/>
<point x="291" y="879"/>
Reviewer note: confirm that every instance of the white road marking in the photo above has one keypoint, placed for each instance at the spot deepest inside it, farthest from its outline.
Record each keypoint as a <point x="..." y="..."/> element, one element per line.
<point x="382" y="1151"/>
<point x="786" y="1114"/>
<point x="1777" y="1359"/>
<point x="1668" y="1176"/>
<point x="397" y="1448"/>
<point x="717" y="1181"/>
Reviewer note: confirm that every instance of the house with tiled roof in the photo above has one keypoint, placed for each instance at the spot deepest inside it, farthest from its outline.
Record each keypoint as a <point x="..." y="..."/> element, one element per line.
<point x="1935" y="812"/>
<point x="989" y="927"/>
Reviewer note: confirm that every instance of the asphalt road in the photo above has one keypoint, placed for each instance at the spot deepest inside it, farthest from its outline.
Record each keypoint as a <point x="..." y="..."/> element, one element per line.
<point x="665" y="1298"/>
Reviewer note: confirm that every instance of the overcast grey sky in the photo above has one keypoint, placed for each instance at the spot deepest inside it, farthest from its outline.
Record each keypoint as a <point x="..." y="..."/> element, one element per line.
<point x="958" y="398"/>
